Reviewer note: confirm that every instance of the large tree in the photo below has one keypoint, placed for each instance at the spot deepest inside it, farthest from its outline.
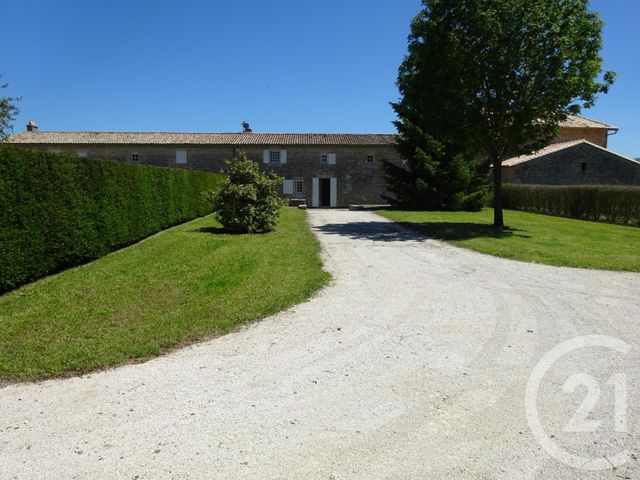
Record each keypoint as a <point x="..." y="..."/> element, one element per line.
<point x="8" y="113"/>
<point x="493" y="78"/>
<point x="440" y="170"/>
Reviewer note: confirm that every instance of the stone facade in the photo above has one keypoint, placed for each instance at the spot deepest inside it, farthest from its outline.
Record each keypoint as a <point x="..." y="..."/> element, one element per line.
<point x="579" y="164"/>
<point x="357" y="169"/>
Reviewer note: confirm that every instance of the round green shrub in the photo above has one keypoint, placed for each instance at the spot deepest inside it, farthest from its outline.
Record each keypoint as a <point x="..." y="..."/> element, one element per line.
<point x="248" y="200"/>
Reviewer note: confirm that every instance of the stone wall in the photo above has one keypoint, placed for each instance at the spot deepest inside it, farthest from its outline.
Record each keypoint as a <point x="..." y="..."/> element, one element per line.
<point x="582" y="164"/>
<point x="593" y="135"/>
<point x="358" y="180"/>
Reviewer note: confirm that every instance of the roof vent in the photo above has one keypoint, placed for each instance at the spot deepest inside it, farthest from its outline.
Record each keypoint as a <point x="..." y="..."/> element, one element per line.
<point x="31" y="126"/>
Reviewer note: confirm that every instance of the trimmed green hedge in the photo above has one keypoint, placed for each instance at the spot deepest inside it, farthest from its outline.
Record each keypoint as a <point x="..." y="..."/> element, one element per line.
<point x="607" y="203"/>
<point x="57" y="210"/>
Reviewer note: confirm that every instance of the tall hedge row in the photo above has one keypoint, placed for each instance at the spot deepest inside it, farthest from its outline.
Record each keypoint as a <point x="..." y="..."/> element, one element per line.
<point x="607" y="203"/>
<point x="57" y="210"/>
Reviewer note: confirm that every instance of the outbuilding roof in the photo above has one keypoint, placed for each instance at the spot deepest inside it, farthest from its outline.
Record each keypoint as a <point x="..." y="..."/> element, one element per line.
<point x="557" y="147"/>
<point x="578" y="121"/>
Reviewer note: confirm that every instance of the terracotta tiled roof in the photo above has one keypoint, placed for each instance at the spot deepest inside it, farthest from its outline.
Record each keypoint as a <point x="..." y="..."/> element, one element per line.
<point x="556" y="147"/>
<point x="578" y="121"/>
<point x="177" y="138"/>
<point x="174" y="138"/>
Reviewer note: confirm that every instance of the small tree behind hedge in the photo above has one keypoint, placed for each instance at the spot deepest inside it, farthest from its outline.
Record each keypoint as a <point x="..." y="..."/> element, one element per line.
<point x="8" y="112"/>
<point x="248" y="201"/>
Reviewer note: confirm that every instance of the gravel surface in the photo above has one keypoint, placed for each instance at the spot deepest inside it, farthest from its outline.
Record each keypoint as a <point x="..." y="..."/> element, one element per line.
<point x="412" y="364"/>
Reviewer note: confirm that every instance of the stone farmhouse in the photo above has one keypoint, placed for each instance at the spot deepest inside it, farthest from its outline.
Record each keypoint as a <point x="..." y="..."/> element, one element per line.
<point x="320" y="169"/>
<point x="336" y="170"/>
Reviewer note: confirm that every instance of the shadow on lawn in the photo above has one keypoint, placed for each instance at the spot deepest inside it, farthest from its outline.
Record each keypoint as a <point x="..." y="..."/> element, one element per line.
<point x="222" y="231"/>
<point x="462" y="230"/>
<point x="213" y="231"/>
<point x="409" y="231"/>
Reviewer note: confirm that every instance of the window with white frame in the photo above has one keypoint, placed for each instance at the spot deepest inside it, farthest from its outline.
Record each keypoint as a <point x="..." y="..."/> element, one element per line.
<point x="370" y="158"/>
<point x="298" y="186"/>
<point x="274" y="156"/>
<point x="134" y="157"/>
<point x="328" y="158"/>
<point x="181" y="157"/>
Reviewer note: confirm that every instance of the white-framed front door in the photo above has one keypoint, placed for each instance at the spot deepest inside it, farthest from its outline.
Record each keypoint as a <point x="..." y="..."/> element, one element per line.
<point x="324" y="192"/>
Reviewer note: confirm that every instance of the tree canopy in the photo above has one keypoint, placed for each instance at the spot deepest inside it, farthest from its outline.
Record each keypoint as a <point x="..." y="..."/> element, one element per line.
<point x="487" y="79"/>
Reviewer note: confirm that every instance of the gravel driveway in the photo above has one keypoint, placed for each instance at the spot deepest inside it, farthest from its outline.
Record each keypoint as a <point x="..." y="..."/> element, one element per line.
<point x="412" y="364"/>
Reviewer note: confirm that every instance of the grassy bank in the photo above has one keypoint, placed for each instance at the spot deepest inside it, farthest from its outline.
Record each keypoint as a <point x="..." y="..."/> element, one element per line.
<point x="182" y="285"/>
<point x="533" y="237"/>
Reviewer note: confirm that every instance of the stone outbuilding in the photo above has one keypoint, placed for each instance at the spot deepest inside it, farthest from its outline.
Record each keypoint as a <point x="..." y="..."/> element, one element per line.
<point x="577" y="162"/>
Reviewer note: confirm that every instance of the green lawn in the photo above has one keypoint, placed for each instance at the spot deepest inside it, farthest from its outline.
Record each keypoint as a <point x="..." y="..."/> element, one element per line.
<point x="184" y="284"/>
<point x="533" y="237"/>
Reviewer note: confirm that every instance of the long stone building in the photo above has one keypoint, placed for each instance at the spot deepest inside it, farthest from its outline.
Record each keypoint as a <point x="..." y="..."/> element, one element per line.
<point x="320" y="169"/>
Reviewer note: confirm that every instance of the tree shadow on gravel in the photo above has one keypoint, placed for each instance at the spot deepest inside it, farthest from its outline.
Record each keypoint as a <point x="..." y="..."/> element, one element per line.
<point x="412" y="232"/>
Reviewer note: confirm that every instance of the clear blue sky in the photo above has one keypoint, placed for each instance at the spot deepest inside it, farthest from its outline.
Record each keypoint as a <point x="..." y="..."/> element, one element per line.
<point x="283" y="65"/>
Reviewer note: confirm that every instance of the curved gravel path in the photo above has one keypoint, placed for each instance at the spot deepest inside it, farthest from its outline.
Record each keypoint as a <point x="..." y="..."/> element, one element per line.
<point x="412" y="364"/>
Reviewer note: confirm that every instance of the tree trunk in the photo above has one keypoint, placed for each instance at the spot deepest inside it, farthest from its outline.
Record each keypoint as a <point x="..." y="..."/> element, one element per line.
<point x="498" y="220"/>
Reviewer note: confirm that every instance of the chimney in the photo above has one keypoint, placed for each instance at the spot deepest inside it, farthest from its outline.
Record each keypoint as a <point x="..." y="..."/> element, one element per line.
<point x="31" y="126"/>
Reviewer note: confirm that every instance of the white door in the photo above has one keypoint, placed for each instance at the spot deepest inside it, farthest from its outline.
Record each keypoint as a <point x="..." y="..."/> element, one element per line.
<point x="333" y="196"/>
<point x="315" y="192"/>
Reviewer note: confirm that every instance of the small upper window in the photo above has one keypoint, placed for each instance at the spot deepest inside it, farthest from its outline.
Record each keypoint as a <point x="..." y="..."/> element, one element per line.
<point x="298" y="186"/>
<point x="583" y="167"/>
<point x="134" y="157"/>
<point x="274" y="156"/>
<point x="181" y="156"/>
<point x="370" y="158"/>
<point x="82" y="154"/>
<point x="324" y="158"/>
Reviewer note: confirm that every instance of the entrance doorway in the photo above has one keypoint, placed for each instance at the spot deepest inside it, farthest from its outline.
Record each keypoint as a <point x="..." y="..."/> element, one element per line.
<point x="325" y="192"/>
